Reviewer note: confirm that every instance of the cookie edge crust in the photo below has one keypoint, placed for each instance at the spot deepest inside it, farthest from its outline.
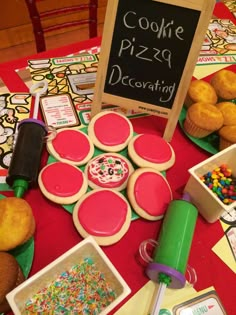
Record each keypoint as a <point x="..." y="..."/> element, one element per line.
<point x="98" y="144"/>
<point x="62" y="200"/>
<point x="131" y="197"/>
<point x="103" y="241"/>
<point x="140" y="162"/>
<point x="51" y="150"/>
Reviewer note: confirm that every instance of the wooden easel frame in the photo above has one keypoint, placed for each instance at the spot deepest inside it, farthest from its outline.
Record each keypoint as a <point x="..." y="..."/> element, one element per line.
<point x="205" y="7"/>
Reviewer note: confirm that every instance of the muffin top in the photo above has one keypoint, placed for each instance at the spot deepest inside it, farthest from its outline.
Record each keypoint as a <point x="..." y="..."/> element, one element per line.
<point x="8" y="273"/>
<point x="202" y="91"/>
<point x="224" y="83"/>
<point x="228" y="110"/>
<point x="228" y="133"/>
<point x="206" y="116"/>
<point x="11" y="276"/>
<point x="16" y="221"/>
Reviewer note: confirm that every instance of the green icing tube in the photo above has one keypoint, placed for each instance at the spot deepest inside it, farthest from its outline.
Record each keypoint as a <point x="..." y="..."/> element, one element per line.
<point x="174" y="243"/>
<point x="176" y="235"/>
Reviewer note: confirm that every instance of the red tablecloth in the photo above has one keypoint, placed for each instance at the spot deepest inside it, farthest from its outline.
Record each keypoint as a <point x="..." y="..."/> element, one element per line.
<point x="56" y="233"/>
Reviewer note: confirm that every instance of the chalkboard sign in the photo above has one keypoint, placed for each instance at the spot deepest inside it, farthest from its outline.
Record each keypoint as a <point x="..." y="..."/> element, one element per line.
<point x="148" y="54"/>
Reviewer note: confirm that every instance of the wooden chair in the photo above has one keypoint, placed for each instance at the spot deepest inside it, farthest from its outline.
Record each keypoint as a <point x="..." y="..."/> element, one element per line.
<point x="41" y="19"/>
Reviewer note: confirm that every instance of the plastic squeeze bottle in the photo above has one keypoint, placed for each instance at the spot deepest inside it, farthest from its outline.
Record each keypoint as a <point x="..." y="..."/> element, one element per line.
<point x="171" y="255"/>
<point x="25" y="161"/>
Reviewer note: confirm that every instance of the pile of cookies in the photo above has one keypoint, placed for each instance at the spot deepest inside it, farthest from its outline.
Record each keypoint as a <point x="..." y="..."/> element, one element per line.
<point x="17" y="226"/>
<point x="106" y="172"/>
<point x="210" y="108"/>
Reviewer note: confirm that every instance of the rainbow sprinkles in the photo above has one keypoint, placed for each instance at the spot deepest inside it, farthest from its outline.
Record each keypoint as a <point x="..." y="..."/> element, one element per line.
<point x="82" y="289"/>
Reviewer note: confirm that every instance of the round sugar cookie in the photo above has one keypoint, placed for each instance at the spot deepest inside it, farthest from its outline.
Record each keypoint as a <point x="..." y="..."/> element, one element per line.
<point x="108" y="170"/>
<point x="62" y="183"/>
<point x="147" y="150"/>
<point x="104" y="214"/>
<point x="149" y="193"/>
<point x="110" y="131"/>
<point x="71" y="146"/>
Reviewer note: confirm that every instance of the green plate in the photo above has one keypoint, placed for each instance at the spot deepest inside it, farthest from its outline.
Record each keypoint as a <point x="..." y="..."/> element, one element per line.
<point x="209" y="143"/>
<point x="97" y="151"/>
<point x="24" y="254"/>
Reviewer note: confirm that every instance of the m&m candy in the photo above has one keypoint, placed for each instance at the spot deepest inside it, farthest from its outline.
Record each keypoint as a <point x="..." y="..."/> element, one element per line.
<point x="222" y="183"/>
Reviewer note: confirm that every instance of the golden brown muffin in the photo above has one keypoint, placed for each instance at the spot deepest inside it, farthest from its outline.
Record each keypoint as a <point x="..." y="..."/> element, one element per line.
<point x="202" y="119"/>
<point x="17" y="223"/>
<point x="227" y="136"/>
<point x="224" y="83"/>
<point x="228" y="109"/>
<point x="200" y="91"/>
<point x="11" y="276"/>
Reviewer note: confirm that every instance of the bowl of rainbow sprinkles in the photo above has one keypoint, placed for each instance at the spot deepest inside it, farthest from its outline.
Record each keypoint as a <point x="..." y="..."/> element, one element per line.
<point x="81" y="281"/>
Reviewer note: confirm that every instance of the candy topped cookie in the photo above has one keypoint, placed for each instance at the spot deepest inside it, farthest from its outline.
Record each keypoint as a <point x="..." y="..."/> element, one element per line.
<point x="110" y="131"/>
<point x="108" y="170"/>
<point x="148" y="150"/>
<point x="71" y="146"/>
<point x="103" y="213"/>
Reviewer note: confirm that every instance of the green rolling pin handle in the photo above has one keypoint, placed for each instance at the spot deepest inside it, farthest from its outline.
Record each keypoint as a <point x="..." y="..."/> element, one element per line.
<point x="174" y="243"/>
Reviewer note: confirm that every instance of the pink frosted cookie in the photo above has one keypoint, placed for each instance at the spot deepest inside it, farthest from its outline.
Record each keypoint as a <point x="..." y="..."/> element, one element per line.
<point x="103" y="213"/>
<point x="110" y="131"/>
<point x="62" y="183"/>
<point x="149" y="193"/>
<point x="71" y="146"/>
<point x="108" y="170"/>
<point x="147" y="150"/>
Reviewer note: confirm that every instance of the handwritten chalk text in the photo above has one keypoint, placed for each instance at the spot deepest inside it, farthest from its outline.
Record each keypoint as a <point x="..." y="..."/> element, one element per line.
<point x="165" y="91"/>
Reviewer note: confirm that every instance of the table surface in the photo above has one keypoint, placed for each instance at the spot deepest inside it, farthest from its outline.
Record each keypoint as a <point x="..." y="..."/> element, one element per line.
<point x="55" y="232"/>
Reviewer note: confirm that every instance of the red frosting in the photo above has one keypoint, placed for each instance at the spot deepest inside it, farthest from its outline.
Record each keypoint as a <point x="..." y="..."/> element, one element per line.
<point x="111" y="129"/>
<point x="152" y="193"/>
<point x="71" y="145"/>
<point x="62" y="179"/>
<point x="152" y="148"/>
<point x="102" y="213"/>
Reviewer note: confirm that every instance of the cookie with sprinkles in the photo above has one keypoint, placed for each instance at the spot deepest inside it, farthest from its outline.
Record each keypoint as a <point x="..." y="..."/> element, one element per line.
<point x="110" y="131"/>
<point x="104" y="214"/>
<point x="108" y="170"/>
<point x="148" y="150"/>
<point x="62" y="183"/>
<point x="71" y="146"/>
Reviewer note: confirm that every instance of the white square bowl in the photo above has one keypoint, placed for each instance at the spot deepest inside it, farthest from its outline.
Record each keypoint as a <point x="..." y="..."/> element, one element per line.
<point x="207" y="203"/>
<point x="87" y="248"/>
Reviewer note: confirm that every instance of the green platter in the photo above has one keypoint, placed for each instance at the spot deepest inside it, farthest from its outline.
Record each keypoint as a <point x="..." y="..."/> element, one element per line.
<point x="97" y="151"/>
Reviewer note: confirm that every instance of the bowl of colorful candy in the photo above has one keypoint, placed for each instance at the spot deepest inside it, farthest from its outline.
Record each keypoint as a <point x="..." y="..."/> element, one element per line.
<point x="212" y="184"/>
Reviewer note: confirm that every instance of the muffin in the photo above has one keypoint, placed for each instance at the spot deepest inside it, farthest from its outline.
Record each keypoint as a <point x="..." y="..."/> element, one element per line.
<point x="228" y="110"/>
<point x="227" y="136"/>
<point x="202" y="119"/>
<point x="200" y="91"/>
<point x="17" y="224"/>
<point x="11" y="276"/>
<point x="224" y="83"/>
